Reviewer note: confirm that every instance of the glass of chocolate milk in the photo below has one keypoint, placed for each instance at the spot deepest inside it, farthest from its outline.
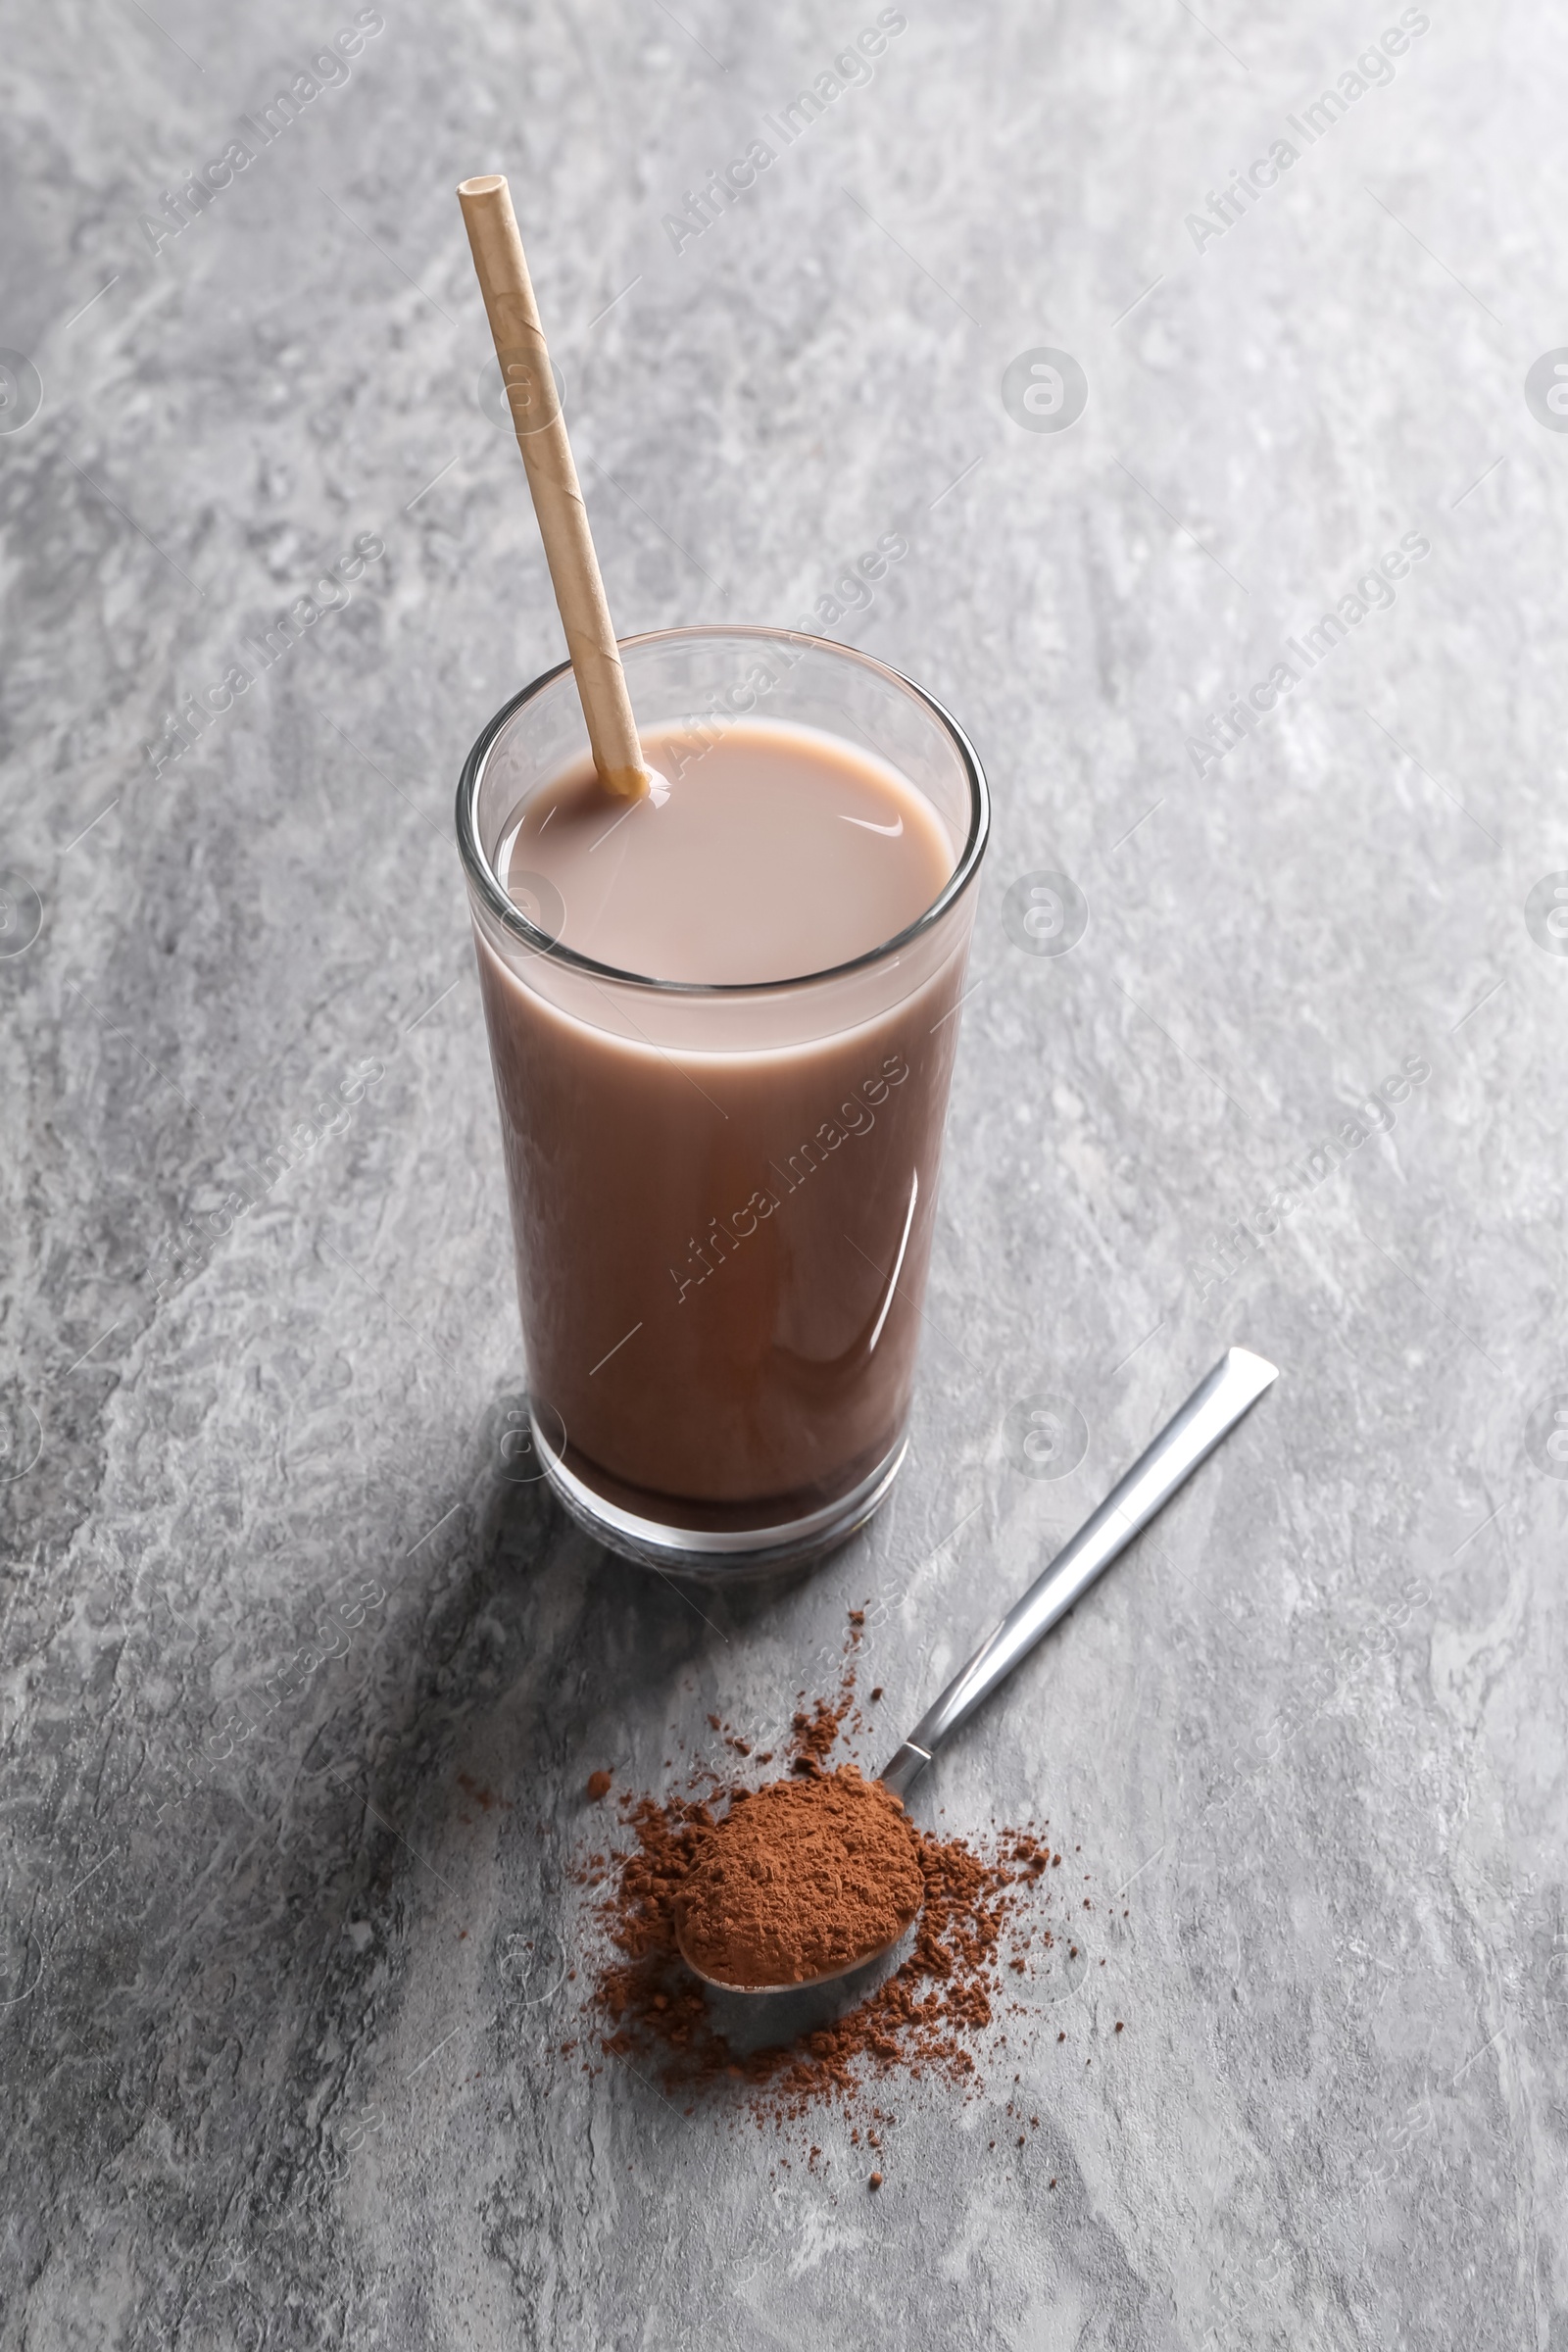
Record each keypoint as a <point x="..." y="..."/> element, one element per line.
<point x="722" y="1020"/>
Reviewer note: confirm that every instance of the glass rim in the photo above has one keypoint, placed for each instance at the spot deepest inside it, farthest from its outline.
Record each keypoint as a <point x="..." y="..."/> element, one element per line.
<point x="483" y="878"/>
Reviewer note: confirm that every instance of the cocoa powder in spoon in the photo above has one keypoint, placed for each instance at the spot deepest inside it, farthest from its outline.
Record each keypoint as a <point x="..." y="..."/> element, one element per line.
<point x="801" y="1878"/>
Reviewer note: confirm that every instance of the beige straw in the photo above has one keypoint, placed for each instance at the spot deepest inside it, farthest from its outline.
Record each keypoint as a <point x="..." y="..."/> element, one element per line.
<point x="541" y="429"/>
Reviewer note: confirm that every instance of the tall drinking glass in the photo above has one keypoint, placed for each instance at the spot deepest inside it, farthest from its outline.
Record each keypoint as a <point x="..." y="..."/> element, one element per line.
<point x="722" y="1196"/>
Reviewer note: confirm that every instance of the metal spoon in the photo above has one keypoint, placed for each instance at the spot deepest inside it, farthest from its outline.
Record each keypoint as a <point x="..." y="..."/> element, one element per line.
<point x="1210" y="1414"/>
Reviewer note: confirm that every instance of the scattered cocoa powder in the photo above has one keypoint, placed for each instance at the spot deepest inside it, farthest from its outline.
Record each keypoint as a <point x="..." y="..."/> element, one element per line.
<point x="484" y="1798"/>
<point x="813" y="1734"/>
<point x="799" y="1880"/>
<point x="686" y="1867"/>
<point x="920" y="2020"/>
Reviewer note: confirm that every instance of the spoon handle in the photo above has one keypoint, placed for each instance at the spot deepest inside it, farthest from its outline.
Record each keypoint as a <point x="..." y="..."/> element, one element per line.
<point x="1210" y="1412"/>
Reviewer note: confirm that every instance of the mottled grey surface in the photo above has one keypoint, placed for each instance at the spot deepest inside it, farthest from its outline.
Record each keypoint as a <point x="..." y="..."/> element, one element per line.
<point x="281" y="1998"/>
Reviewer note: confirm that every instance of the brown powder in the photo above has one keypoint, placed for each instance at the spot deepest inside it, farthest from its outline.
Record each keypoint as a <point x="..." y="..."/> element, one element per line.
<point x="984" y="1911"/>
<point x="813" y="1734"/>
<point x="801" y="1880"/>
<point x="653" y="2011"/>
<point x="599" y="1785"/>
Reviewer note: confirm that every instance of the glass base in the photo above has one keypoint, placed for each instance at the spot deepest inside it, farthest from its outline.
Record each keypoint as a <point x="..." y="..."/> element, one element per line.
<point x="732" y="1555"/>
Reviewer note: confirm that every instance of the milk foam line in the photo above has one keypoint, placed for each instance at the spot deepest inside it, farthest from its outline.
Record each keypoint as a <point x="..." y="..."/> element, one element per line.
<point x="714" y="1059"/>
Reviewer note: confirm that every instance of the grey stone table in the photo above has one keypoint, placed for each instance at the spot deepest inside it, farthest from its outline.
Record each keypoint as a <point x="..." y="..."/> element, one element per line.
<point x="281" y="1994"/>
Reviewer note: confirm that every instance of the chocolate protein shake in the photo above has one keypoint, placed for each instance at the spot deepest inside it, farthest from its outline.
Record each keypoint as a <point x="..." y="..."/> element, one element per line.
<point x="722" y="1188"/>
